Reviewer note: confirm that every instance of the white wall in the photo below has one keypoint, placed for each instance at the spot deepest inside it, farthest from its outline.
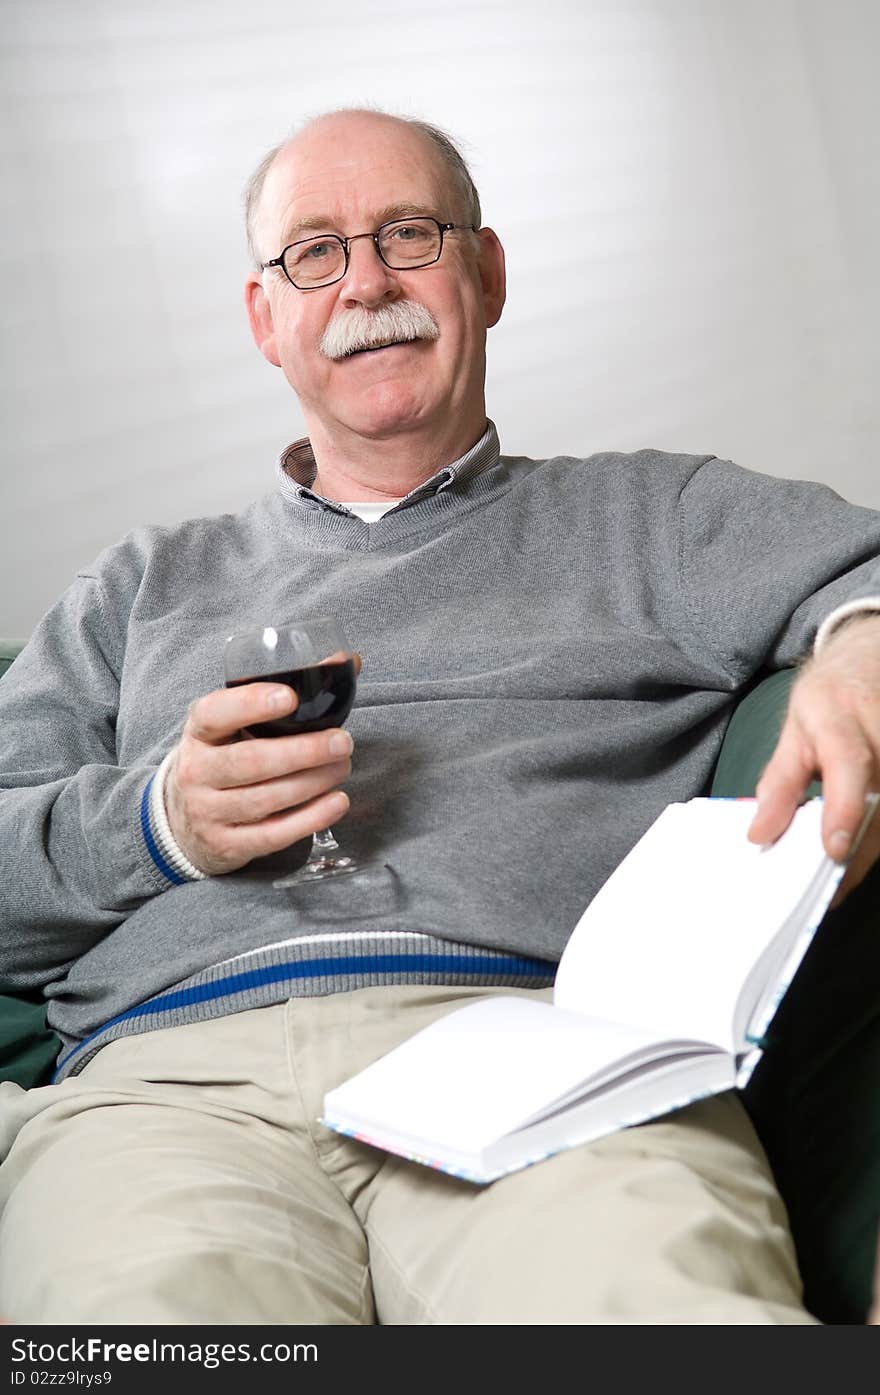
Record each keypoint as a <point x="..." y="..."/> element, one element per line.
<point x="714" y="163"/>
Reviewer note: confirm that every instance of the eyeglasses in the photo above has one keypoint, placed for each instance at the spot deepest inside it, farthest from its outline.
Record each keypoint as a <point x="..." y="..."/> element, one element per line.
<point x="404" y="245"/>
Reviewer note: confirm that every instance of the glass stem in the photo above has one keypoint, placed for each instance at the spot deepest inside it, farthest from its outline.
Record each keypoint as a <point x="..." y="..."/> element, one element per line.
<point x="323" y="842"/>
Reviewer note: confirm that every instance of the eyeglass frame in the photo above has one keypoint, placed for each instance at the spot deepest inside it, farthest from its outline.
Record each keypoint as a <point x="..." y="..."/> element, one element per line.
<point x="345" y="243"/>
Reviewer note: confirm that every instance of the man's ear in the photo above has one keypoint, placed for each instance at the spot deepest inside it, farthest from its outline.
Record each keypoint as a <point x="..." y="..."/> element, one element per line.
<point x="493" y="276"/>
<point x="260" y="317"/>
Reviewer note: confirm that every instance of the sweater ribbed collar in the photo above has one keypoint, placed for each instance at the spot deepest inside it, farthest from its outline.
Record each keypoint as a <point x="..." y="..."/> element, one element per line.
<point x="296" y="470"/>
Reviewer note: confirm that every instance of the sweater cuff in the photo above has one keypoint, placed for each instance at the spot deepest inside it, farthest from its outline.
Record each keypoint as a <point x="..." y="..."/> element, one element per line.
<point x="161" y="843"/>
<point x="866" y="605"/>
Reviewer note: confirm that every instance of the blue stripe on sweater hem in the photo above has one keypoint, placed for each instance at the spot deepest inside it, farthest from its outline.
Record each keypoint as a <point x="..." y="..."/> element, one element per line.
<point x="314" y="968"/>
<point x="152" y="848"/>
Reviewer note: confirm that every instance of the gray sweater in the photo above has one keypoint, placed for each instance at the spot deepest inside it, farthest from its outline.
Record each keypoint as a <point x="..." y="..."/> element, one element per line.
<point x="551" y="651"/>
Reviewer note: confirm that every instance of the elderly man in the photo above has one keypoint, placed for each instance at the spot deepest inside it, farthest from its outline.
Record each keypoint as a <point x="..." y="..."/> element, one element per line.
<point x="551" y="650"/>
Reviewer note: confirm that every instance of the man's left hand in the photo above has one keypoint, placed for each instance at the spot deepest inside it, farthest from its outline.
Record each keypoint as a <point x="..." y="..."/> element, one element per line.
<point x="832" y="733"/>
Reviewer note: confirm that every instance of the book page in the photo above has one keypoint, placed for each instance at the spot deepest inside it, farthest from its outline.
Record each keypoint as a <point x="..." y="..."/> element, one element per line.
<point x="670" y="938"/>
<point x="481" y="1071"/>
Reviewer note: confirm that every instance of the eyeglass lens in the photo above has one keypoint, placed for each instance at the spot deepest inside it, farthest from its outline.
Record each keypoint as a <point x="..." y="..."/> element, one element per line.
<point x="411" y="242"/>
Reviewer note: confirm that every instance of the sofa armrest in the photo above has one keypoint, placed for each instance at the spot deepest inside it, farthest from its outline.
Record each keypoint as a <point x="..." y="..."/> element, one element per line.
<point x="751" y="738"/>
<point x="28" y="1047"/>
<point x="9" y="649"/>
<point x="813" y="1098"/>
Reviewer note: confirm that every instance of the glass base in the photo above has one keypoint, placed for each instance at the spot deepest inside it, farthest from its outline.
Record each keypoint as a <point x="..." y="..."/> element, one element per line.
<point x="373" y="873"/>
<point x="325" y="860"/>
<point x="319" y="869"/>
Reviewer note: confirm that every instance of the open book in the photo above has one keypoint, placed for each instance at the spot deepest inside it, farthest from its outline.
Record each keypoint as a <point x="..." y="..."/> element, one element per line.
<point x="662" y="996"/>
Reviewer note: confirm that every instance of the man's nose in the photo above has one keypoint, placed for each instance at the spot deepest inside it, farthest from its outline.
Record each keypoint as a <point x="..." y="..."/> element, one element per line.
<point x="367" y="281"/>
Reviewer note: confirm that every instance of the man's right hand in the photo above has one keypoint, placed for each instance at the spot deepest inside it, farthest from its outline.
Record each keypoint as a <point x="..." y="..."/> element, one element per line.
<point x="230" y="799"/>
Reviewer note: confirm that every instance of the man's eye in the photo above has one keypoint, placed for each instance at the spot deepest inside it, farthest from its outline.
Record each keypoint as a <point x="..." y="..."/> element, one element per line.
<point x="311" y="252"/>
<point x="405" y="233"/>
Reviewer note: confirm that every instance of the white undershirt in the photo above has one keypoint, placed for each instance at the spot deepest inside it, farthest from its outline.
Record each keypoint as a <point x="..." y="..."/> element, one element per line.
<point x="370" y="513"/>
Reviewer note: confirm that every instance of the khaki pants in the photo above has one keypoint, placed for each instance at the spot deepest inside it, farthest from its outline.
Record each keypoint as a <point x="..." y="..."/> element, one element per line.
<point x="183" y="1178"/>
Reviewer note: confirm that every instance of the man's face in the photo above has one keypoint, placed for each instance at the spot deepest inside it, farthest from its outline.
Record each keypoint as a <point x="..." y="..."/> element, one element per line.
<point x="347" y="174"/>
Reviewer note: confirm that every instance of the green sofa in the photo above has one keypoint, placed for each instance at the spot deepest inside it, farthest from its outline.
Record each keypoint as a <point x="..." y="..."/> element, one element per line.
<point x="814" y="1097"/>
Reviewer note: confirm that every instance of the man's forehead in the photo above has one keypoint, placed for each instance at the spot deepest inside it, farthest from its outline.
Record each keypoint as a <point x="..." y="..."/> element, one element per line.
<point x="327" y="176"/>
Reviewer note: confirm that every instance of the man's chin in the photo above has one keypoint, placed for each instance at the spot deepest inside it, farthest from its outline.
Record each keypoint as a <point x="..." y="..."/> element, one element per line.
<point x="382" y="409"/>
<point x="384" y="426"/>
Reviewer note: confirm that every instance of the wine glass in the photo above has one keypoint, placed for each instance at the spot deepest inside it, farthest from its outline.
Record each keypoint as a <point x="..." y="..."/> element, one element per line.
<point x="315" y="659"/>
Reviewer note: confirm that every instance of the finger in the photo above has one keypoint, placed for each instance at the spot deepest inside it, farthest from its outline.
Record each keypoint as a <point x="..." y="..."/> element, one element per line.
<point x="282" y="830"/>
<point x="218" y="716"/>
<point x="253" y="803"/>
<point x="782" y="785"/>
<point x="848" y="769"/>
<point x="271" y="758"/>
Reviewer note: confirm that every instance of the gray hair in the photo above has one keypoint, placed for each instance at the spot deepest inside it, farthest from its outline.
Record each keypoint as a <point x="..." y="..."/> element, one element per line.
<point x="452" y="157"/>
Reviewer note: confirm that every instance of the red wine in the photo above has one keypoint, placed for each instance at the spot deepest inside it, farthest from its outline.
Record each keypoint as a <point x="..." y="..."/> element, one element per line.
<point x="325" y="692"/>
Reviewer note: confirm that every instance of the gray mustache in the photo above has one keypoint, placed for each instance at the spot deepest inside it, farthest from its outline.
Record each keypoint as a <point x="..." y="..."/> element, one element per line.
<point x="397" y="323"/>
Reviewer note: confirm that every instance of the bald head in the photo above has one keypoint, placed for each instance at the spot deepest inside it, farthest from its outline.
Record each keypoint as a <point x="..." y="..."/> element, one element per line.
<point x="349" y="131"/>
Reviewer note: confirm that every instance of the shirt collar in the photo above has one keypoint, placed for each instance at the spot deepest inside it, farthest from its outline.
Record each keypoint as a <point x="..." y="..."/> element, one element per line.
<point x="296" y="470"/>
